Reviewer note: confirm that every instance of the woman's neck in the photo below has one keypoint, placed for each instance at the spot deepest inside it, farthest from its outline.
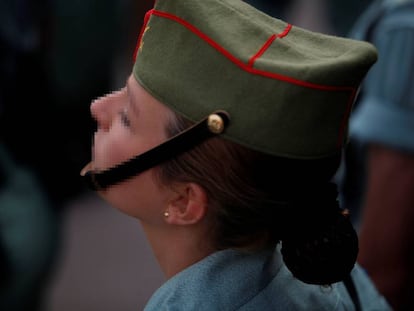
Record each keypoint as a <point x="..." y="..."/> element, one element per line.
<point x="177" y="247"/>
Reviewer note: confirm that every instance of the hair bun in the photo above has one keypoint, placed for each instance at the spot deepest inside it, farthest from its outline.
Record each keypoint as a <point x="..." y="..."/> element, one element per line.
<point x="324" y="254"/>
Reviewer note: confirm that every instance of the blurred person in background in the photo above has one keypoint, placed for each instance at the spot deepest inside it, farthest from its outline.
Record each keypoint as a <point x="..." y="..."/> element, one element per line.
<point x="377" y="177"/>
<point x="40" y="146"/>
<point x="29" y="234"/>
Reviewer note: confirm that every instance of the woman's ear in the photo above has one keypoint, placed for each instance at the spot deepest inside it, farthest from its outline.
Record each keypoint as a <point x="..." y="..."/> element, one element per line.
<point x="188" y="205"/>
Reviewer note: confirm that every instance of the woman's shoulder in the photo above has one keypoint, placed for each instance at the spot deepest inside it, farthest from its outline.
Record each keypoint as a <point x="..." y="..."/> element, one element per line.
<point x="221" y="281"/>
<point x="234" y="280"/>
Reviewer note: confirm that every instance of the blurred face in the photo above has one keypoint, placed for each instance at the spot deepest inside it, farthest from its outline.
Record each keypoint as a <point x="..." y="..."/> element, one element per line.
<point x="130" y="122"/>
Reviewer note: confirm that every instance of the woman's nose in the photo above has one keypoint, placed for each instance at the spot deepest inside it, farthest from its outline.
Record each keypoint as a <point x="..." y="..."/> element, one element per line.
<point x="104" y="109"/>
<point x="99" y="112"/>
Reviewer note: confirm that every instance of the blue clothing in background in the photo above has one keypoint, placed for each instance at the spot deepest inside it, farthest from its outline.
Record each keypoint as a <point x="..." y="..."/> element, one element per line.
<point x="384" y="112"/>
<point x="236" y="280"/>
<point x="29" y="237"/>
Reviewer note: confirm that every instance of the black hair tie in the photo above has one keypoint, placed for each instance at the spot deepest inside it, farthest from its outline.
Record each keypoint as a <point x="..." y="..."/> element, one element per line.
<point x="325" y="252"/>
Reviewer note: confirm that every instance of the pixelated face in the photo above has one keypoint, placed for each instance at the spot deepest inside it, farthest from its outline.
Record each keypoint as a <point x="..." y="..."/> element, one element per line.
<point x="129" y="122"/>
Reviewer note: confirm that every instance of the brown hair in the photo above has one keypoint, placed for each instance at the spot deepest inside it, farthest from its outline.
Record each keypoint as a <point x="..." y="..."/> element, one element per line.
<point x="258" y="200"/>
<point x="250" y="193"/>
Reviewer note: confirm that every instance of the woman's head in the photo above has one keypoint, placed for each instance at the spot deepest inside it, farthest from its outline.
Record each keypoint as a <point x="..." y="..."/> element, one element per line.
<point x="251" y="200"/>
<point x="288" y="92"/>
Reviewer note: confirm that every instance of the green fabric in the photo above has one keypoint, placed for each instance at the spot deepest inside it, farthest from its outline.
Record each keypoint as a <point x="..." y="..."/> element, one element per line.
<point x="293" y="101"/>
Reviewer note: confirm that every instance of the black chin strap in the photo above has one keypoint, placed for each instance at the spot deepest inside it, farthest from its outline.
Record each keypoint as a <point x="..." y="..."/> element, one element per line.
<point x="210" y="126"/>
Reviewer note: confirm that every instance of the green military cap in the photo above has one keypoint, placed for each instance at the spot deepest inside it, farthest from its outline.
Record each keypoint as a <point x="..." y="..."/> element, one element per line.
<point x="288" y="91"/>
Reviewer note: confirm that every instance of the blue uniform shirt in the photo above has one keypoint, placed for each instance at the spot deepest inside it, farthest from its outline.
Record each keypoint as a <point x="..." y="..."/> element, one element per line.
<point x="236" y="280"/>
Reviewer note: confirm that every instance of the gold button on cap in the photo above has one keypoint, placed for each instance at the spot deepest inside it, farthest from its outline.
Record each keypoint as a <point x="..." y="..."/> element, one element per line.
<point x="215" y="123"/>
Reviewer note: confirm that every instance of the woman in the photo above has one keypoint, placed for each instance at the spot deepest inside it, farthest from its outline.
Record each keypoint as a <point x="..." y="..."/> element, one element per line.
<point x="223" y="143"/>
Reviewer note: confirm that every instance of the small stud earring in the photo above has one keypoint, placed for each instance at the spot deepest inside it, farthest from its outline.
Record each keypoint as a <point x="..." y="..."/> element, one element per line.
<point x="166" y="214"/>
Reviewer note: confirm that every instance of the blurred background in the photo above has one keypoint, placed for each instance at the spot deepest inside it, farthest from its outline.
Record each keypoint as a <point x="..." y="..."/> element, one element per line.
<point x="61" y="247"/>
